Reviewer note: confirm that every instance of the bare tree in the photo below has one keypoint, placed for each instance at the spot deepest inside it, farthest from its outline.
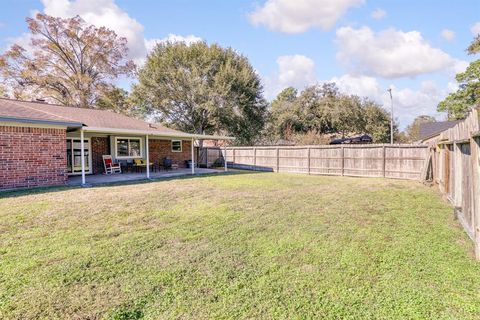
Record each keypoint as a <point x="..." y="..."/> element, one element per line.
<point x="69" y="62"/>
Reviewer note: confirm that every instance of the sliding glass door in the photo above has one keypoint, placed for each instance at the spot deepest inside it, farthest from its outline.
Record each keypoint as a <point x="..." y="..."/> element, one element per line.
<point x="74" y="156"/>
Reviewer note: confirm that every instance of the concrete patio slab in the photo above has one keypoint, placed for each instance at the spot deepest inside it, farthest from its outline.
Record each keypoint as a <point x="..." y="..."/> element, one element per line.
<point x="98" y="179"/>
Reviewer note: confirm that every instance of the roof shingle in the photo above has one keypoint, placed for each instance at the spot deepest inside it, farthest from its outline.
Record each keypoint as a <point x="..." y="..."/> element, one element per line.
<point x="430" y="129"/>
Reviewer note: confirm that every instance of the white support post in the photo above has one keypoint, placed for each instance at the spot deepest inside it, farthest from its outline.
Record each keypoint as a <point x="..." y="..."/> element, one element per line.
<point x="225" y="158"/>
<point x="193" y="157"/>
<point x="147" y="155"/>
<point x="82" y="154"/>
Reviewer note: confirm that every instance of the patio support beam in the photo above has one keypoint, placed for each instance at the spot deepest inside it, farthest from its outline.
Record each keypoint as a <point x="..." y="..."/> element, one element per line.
<point x="193" y="157"/>
<point x="147" y="156"/>
<point x="82" y="154"/>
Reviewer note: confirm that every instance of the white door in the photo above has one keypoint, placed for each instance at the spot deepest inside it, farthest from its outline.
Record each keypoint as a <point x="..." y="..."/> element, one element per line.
<point x="74" y="158"/>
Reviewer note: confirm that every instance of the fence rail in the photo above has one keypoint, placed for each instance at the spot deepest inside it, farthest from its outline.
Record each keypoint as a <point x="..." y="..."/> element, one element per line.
<point x="376" y="160"/>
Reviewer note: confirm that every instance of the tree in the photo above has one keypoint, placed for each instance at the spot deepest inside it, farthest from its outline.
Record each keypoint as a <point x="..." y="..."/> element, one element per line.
<point x="458" y="103"/>
<point x="203" y="89"/>
<point x="474" y="47"/>
<point x="322" y="110"/>
<point x="347" y="114"/>
<point x="3" y="91"/>
<point x="115" y="99"/>
<point x="413" y="130"/>
<point x="377" y="122"/>
<point x="282" y="114"/>
<point x="70" y="62"/>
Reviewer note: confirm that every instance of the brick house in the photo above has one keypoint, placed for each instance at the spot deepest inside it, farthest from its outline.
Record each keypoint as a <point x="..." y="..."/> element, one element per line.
<point x="41" y="144"/>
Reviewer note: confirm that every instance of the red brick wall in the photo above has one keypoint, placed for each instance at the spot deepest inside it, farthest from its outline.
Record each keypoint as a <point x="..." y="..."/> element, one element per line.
<point x="100" y="147"/>
<point x="160" y="149"/>
<point x="32" y="157"/>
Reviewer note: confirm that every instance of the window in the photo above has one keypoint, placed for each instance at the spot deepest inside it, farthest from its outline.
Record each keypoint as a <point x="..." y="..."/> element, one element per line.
<point x="176" y="145"/>
<point x="128" y="147"/>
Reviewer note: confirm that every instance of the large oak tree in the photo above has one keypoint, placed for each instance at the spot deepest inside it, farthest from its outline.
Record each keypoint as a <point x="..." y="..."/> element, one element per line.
<point x="203" y="89"/>
<point x="68" y="62"/>
<point x="324" y="110"/>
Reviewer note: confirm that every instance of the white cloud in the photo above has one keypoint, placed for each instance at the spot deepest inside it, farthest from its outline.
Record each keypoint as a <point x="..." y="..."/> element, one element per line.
<point x="448" y="35"/>
<point x="102" y="13"/>
<point x="299" y="71"/>
<point x="189" y="39"/>
<point x="295" y="71"/>
<point x="107" y="14"/>
<point x="300" y="15"/>
<point x="475" y="29"/>
<point x="389" y="53"/>
<point x="359" y="85"/>
<point x="407" y="103"/>
<point x="410" y="103"/>
<point x="458" y="66"/>
<point x="378" y="14"/>
<point x="23" y="40"/>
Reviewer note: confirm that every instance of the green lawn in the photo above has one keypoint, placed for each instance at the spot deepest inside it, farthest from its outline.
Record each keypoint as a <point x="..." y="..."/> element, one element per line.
<point x="256" y="245"/>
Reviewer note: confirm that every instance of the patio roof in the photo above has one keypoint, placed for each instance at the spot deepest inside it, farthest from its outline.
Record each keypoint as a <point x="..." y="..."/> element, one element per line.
<point x="177" y="134"/>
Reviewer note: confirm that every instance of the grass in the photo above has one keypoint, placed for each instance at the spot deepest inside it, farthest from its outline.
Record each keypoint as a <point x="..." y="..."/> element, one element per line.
<point x="257" y="245"/>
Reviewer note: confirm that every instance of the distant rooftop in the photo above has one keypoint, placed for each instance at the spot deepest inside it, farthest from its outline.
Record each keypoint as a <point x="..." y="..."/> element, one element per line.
<point x="431" y="129"/>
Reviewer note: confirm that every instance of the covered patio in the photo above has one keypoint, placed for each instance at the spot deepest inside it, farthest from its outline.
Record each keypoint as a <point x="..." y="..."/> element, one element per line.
<point x="100" y="179"/>
<point x="149" y="144"/>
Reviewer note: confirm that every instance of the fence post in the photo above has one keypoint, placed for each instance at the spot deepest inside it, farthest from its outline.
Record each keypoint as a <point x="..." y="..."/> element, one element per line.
<point x="308" y="159"/>
<point x="343" y="160"/>
<point x="233" y="155"/>
<point x="474" y="155"/>
<point x="384" y="161"/>
<point x="254" y="159"/>
<point x="459" y="175"/>
<point x="278" y="160"/>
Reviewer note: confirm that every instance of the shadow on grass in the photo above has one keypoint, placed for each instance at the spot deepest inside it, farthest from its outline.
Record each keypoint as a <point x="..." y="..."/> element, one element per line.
<point x="42" y="190"/>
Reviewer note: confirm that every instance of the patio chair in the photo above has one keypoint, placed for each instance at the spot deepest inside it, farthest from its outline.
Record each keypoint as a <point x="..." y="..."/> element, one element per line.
<point x="110" y="166"/>
<point x="167" y="164"/>
<point x="138" y="165"/>
<point x="156" y="166"/>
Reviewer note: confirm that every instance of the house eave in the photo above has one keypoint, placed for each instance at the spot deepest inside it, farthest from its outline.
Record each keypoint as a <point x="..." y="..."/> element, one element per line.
<point x="42" y="122"/>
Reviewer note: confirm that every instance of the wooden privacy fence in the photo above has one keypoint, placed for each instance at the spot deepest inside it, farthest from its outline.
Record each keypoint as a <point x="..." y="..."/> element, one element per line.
<point x="456" y="170"/>
<point x="375" y="160"/>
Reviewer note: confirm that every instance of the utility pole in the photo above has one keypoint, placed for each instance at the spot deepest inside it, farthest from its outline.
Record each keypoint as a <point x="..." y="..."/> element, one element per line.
<point x="391" y="116"/>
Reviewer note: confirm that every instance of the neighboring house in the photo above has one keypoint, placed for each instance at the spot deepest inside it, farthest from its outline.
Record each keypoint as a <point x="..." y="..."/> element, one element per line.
<point x="41" y="144"/>
<point x="365" y="138"/>
<point x="430" y="131"/>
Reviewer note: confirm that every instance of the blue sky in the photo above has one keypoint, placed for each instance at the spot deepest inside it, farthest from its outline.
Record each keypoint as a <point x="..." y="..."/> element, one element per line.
<point x="365" y="46"/>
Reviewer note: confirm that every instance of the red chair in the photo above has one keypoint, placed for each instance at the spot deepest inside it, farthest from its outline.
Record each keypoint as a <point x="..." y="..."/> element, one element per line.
<point x="110" y="166"/>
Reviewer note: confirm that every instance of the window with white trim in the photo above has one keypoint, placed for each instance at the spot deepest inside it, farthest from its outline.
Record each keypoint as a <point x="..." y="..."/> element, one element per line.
<point x="176" y="145"/>
<point x="128" y="147"/>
